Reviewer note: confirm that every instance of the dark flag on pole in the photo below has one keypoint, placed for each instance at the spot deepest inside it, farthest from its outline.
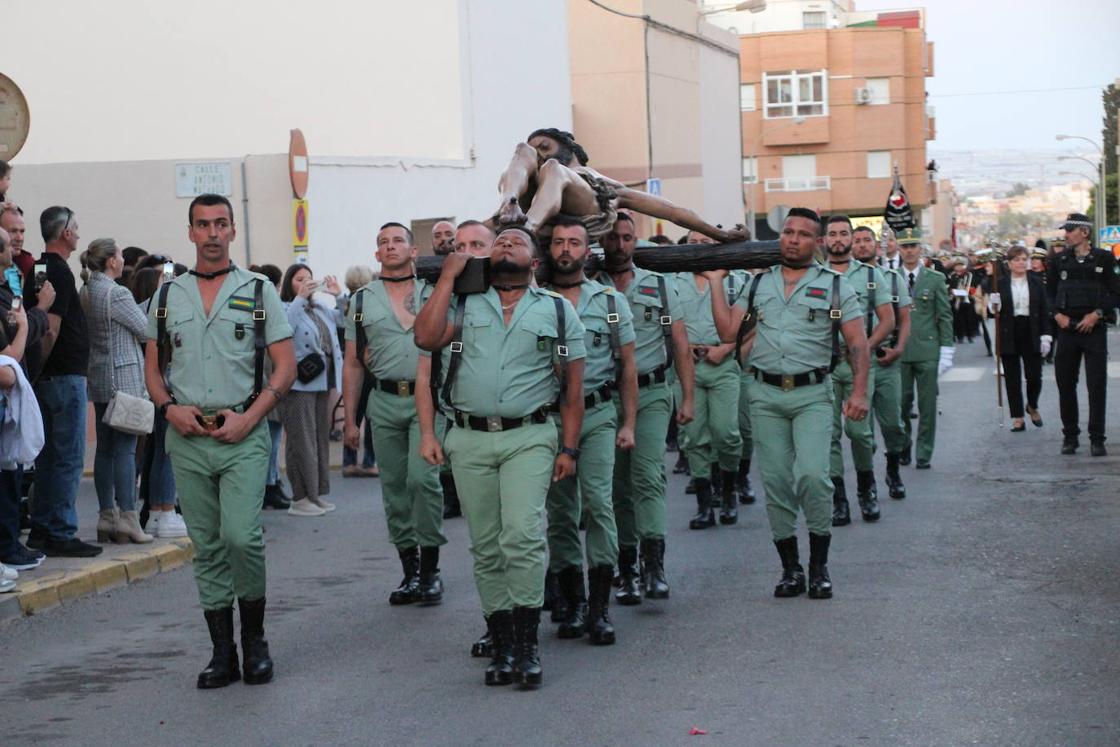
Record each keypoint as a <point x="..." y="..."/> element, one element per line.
<point x="898" y="214"/>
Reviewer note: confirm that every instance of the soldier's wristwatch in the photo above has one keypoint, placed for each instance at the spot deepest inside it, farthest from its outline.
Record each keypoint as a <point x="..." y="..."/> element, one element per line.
<point x="163" y="408"/>
<point x="573" y="453"/>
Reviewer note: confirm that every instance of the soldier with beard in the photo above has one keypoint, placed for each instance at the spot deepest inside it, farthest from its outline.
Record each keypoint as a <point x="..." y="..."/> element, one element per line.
<point x="878" y="316"/>
<point x="608" y="368"/>
<point x="500" y="383"/>
<point x="443" y="238"/>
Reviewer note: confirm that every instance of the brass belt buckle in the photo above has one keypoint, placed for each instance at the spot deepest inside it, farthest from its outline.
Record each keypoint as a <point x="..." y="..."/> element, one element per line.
<point x="787" y="383"/>
<point x="494" y="424"/>
<point x="209" y="422"/>
<point x="402" y="388"/>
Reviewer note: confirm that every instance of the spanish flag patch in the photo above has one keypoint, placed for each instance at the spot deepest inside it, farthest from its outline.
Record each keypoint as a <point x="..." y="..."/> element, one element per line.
<point x="648" y="290"/>
<point x="816" y="293"/>
<point x="244" y="304"/>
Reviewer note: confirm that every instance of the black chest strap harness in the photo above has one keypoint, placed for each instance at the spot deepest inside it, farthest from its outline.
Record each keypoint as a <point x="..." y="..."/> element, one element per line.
<point x="895" y="308"/>
<point x="871" y="287"/>
<point x="750" y="319"/>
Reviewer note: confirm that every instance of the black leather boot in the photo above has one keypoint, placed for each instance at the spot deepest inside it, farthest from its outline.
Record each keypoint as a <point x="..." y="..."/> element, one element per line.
<point x="746" y="492"/>
<point x="599" y="627"/>
<point x="1070" y="445"/>
<point x="820" y="585"/>
<point x="430" y="586"/>
<point x="274" y="498"/>
<point x="574" y="623"/>
<point x="867" y="495"/>
<point x="653" y="568"/>
<point x="705" y="515"/>
<point x="690" y="488"/>
<point x="681" y="465"/>
<point x="629" y="591"/>
<point x="894" y="480"/>
<point x="729" y="504"/>
<point x="526" y="662"/>
<point x="222" y="668"/>
<point x="554" y="599"/>
<point x="793" y="575"/>
<point x="481" y="648"/>
<point x="841" y="516"/>
<point x="904" y="457"/>
<point x="715" y="476"/>
<point x="409" y="589"/>
<point x="499" y="628"/>
<point x="258" y="664"/>
<point x="451" y="507"/>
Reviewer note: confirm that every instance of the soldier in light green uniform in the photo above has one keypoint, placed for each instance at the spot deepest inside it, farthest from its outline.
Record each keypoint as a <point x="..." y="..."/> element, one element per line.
<point x="410" y="486"/>
<point x="886" y="371"/>
<point x="500" y="384"/>
<point x="608" y="374"/>
<point x="875" y="304"/>
<point x="212" y="330"/>
<point x="712" y="438"/>
<point x="929" y="352"/>
<point x="797" y="310"/>
<point x="639" y="473"/>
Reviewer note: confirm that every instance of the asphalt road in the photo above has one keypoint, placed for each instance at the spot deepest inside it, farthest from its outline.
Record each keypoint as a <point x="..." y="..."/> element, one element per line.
<point x="983" y="609"/>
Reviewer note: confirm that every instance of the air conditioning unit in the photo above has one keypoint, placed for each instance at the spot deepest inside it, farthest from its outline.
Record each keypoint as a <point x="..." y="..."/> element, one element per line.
<point x="863" y="95"/>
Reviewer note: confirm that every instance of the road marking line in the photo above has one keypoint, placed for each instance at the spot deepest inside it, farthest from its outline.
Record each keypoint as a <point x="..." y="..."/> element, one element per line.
<point x="968" y="373"/>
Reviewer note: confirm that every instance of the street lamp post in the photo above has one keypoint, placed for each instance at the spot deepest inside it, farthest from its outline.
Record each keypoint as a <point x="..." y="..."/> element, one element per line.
<point x="1102" y="203"/>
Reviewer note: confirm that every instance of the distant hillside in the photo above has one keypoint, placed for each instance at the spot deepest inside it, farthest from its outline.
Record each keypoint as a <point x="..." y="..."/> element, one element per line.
<point x="997" y="171"/>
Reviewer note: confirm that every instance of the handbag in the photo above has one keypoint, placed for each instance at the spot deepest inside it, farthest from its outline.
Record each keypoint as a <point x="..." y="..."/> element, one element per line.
<point x="125" y="413"/>
<point x="309" y="368"/>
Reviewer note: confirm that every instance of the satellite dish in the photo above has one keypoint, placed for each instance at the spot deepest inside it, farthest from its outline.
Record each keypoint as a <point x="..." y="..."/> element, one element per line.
<point x="776" y="218"/>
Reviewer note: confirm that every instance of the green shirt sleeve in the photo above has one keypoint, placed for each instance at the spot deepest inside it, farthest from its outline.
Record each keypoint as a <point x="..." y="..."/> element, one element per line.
<point x="276" y="327"/>
<point x="574" y="331"/>
<point x="849" y="302"/>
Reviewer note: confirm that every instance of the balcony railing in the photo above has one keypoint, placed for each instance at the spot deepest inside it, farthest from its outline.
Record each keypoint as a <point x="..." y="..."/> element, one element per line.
<point x="806" y="184"/>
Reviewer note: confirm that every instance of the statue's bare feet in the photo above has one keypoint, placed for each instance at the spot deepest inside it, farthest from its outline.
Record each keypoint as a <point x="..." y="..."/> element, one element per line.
<point x="511" y="214"/>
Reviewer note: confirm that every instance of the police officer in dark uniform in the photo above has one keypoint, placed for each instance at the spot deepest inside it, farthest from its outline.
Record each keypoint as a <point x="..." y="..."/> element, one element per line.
<point x="1082" y="284"/>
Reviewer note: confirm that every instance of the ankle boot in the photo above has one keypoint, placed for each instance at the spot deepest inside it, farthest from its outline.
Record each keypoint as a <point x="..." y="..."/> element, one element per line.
<point x="867" y="495"/>
<point x="128" y="529"/>
<point x="481" y="648"/>
<point x="653" y="568"/>
<point x="728" y="510"/>
<point x="574" y="623"/>
<point x="430" y="585"/>
<point x="409" y="589"/>
<point x="107" y="525"/>
<point x="746" y="492"/>
<point x="820" y="585"/>
<point x="258" y="664"/>
<point x="715" y="476"/>
<point x="274" y="498"/>
<point x="793" y="575"/>
<point x="527" y="663"/>
<point x="894" y="480"/>
<point x="681" y="465"/>
<point x="222" y="668"/>
<point x="599" y="627"/>
<point x="499" y="627"/>
<point x="554" y="600"/>
<point x="840" y="513"/>
<point x="705" y="516"/>
<point x="629" y="590"/>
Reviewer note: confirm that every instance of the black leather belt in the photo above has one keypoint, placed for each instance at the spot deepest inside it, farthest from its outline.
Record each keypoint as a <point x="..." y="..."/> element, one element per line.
<point x="789" y="382"/>
<point x="400" y="388"/>
<point x="656" y="376"/>
<point x="496" y="424"/>
<point x="602" y="394"/>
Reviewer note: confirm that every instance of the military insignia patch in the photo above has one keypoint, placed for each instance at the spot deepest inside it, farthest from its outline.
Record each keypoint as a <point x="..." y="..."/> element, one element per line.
<point x="816" y="293"/>
<point x="243" y="304"/>
<point x="648" y="291"/>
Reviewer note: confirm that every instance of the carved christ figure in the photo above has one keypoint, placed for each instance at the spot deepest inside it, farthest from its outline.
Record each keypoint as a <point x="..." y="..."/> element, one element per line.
<point x="549" y="175"/>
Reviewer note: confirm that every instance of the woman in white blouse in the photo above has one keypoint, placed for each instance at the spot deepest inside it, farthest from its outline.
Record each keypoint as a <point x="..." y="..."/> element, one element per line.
<point x="1025" y="330"/>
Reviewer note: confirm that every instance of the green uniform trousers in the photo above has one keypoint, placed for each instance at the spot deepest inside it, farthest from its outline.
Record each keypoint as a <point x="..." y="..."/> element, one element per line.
<point x="639" y="474"/>
<point x="887" y="405"/>
<point x="792" y="431"/>
<point x="221" y="488"/>
<point x="858" y="431"/>
<point x="745" y="414"/>
<point x="713" y="434"/>
<point x="924" y="375"/>
<point x="502" y="479"/>
<point x="410" y="487"/>
<point x="587" y="492"/>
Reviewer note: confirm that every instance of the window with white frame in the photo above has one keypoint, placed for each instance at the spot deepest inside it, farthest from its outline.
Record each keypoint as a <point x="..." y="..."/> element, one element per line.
<point x="795" y="94"/>
<point x="880" y="89"/>
<point x="747" y="97"/>
<point x="878" y="164"/>
<point x="750" y="170"/>
<point x="814" y="19"/>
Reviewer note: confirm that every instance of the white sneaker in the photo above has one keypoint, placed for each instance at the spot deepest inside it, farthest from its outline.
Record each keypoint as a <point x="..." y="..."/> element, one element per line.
<point x="8" y="574"/>
<point x="153" y="522"/>
<point x="325" y="505"/>
<point x="171" y="525"/>
<point x="304" y="507"/>
<point x="6" y="585"/>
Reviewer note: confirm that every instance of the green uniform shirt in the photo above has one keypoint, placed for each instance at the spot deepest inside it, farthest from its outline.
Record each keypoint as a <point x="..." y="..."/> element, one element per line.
<point x="646" y="309"/>
<point x="893" y="280"/>
<point x="598" y="367"/>
<point x="508" y="371"/>
<point x="857" y="275"/>
<point x="696" y="308"/>
<point x="795" y="336"/>
<point x="212" y="357"/>
<point x="391" y="351"/>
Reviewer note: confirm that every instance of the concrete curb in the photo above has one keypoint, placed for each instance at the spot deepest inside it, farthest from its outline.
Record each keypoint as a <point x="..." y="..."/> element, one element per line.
<point x="59" y="587"/>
